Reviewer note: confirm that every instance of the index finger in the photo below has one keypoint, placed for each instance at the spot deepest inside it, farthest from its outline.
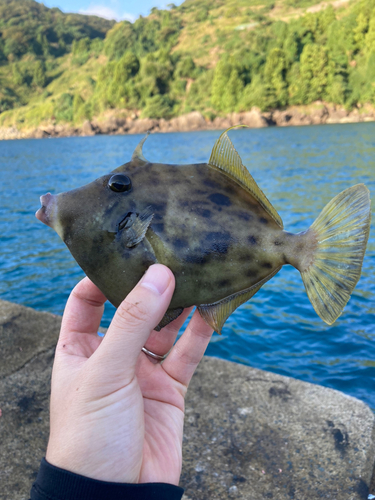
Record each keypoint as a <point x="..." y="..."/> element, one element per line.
<point x="83" y="312"/>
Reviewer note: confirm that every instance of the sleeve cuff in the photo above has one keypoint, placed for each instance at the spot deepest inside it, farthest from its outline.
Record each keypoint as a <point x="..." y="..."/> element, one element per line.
<point x="53" y="483"/>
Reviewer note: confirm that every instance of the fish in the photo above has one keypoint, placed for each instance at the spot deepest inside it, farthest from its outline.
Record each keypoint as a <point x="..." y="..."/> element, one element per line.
<point x="213" y="227"/>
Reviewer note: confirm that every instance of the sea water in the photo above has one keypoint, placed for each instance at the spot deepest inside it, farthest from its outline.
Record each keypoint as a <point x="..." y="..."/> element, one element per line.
<point x="299" y="169"/>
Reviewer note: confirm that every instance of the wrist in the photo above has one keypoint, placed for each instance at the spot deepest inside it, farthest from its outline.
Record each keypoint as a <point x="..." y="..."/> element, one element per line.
<point x="55" y="483"/>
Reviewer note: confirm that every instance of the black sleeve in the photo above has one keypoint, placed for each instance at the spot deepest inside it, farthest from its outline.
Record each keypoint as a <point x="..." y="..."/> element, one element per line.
<point x="53" y="483"/>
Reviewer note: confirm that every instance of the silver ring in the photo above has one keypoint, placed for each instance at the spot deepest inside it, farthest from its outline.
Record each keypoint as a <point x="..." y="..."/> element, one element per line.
<point x="152" y="355"/>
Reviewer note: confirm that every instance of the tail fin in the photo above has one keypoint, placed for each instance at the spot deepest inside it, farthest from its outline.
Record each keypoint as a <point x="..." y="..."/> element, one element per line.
<point x="342" y="231"/>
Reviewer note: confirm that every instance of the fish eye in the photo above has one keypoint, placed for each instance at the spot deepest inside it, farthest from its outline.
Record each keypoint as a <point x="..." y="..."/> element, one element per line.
<point x="120" y="183"/>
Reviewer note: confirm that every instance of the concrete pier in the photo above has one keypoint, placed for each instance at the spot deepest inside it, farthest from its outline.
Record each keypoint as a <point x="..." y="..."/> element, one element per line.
<point x="249" y="434"/>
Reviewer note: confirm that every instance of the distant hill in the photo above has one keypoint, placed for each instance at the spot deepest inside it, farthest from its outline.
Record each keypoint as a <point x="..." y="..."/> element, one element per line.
<point x="28" y="27"/>
<point x="214" y="56"/>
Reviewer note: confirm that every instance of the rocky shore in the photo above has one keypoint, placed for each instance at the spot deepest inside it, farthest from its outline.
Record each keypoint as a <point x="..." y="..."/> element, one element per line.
<point x="115" y="122"/>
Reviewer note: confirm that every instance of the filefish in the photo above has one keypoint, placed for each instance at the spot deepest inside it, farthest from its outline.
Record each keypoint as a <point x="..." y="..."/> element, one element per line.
<point x="213" y="227"/>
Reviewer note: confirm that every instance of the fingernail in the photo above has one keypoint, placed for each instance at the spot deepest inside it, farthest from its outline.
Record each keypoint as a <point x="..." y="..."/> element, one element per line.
<point x="157" y="279"/>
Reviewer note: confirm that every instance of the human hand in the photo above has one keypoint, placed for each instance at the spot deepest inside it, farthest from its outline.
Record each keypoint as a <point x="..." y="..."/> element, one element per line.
<point x="116" y="415"/>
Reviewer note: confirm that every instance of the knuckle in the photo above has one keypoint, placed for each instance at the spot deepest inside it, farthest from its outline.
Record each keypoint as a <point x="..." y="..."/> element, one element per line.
<point x="186" y="358"/>
<point x="132" y="313"/>
<point x="203" y="332"/>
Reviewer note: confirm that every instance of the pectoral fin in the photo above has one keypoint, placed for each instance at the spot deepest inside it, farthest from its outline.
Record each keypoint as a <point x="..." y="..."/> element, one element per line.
<point x="134" y="226"/>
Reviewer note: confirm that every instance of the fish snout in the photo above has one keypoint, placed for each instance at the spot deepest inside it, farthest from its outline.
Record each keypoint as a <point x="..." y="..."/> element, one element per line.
<point x="46" y="213"/>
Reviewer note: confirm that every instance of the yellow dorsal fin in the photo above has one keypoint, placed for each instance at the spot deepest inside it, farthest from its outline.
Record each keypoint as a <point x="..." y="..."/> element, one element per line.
<point x="138" y="154"/>
<point x="225" y="157"/>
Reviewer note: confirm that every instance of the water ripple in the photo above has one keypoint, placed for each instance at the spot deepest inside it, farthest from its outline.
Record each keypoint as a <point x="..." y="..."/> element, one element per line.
<point x="299" y="169"/>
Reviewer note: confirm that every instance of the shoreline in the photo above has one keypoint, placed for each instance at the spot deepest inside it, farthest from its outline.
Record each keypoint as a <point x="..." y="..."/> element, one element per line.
<point x="115" y="123"/>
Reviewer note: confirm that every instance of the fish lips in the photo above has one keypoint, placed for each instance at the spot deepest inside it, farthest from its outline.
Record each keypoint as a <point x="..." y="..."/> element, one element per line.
<point x="47" y="212"/>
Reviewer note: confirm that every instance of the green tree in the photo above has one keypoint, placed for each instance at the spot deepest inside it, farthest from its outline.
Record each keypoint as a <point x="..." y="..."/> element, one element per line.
<point x="198" y="96"/>
<point x="63" y="110"/>
<point x="106" y="73"/>
<point x="11" y="49"/>
<point x="336" y="89"/>
<point x="369" y="94"/>
<point x="121" y="86"/>
<point x="81" y="46"/>
<point x="232" y="93"/>
<point x="81" y="110"/>
<point x="120" y="39"/>
<point x="39" y="74"/>
<point x="356" y="88"/>
<point x="291" y="47"/>
<point x="222" y="74"/>
<point x="78" y="103"/>
<point x="81" y="51"/>
<point x="360" y="30"/>
<point x="155" y="76"/>
<point x="43" y="44"/>
<point x="340" y="43"/>
<point x="326" y="17"/>
<point x="311" y="24"/>
<point x="185" y="68"/>
<point x="275" y="78"/>
<point x="18" y="75"/>
<point x="96" y="46"/>
<point x="312" y="80"/>
<point x="158" y="106"/>
<point x="254" y="94"/>
<point x="126" y="68"/>
<point x="370" y="35"/>
<point x="202" y="14"/>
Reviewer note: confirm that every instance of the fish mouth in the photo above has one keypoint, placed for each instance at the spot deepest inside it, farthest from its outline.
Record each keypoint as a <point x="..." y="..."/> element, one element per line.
<point x="46" y="212"/>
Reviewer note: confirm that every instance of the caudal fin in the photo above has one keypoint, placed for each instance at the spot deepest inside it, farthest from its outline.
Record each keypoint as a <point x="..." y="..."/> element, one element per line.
<point x="342" y="231"/>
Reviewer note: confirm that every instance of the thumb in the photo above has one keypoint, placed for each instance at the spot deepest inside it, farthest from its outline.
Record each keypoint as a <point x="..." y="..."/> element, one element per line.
<point x="134" y="320"/>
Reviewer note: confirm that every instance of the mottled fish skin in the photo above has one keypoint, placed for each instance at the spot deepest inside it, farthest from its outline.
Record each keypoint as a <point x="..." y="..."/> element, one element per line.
<point x="214" y="236"/>
<point x="214" y="228"/>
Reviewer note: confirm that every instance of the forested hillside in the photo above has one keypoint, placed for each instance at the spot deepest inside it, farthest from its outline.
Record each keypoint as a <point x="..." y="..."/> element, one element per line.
<point x="214" y="56"/>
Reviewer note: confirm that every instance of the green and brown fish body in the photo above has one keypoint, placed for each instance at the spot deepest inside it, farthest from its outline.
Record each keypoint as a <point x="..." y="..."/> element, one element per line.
<point x="213" y="227"/>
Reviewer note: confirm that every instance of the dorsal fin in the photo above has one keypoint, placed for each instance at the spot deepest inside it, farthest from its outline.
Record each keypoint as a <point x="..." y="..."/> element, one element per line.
<point x="138" y="154"/>
<point x="225" y="157"/>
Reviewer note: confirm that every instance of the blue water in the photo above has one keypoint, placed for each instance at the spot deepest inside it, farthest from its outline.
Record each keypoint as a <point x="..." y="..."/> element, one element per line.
<point x="299" y="169"/>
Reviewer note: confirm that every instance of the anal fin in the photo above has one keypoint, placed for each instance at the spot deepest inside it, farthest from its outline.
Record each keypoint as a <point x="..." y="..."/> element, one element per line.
<point x="217" y="313"/>
<point x="168" y="317"/>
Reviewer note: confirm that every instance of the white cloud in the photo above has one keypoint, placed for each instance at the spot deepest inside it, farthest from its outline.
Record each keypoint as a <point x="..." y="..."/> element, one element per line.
<point x="107" y="13"/>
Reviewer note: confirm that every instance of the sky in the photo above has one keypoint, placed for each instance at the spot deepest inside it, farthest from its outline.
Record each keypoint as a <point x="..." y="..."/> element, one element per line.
<point x="110" y="9"/>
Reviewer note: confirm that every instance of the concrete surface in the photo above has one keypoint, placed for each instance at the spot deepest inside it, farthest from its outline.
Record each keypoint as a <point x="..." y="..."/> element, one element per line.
<point x="249" y="434"/>
<point x="254" y="435"/>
